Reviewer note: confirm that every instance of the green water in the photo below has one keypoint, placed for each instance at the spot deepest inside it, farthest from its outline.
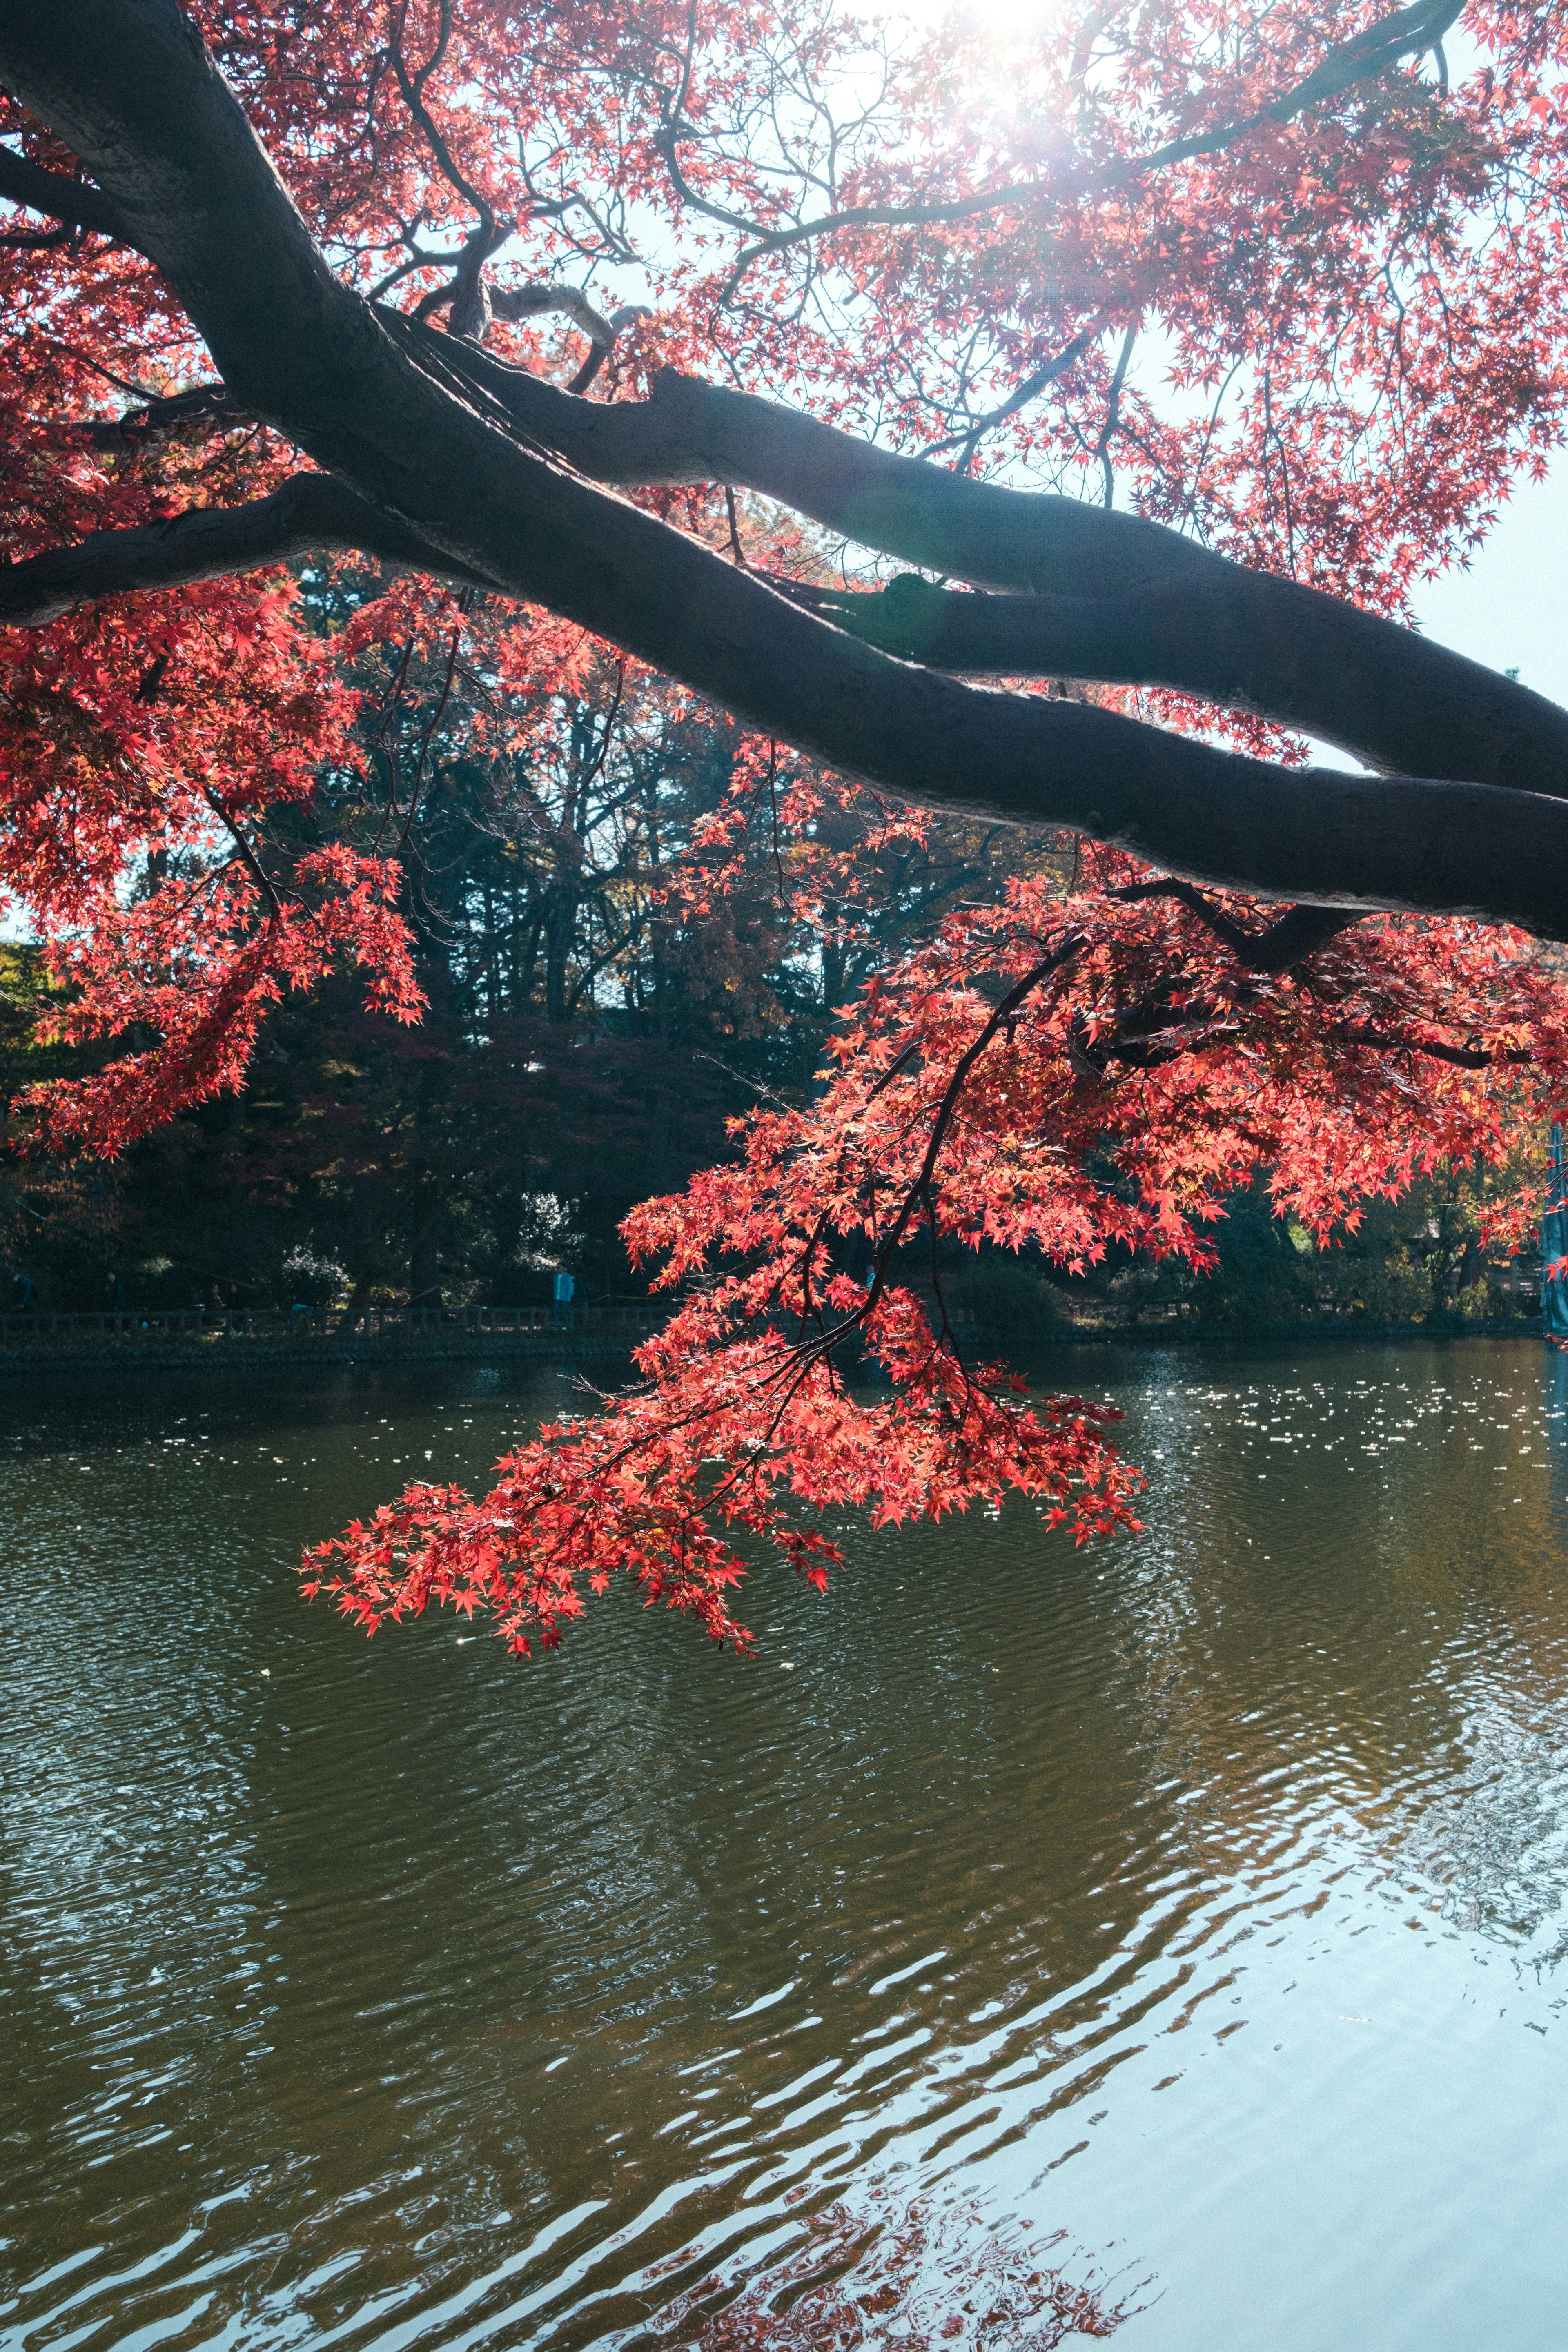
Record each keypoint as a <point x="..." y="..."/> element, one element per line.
<point x="1205" y="1897"/>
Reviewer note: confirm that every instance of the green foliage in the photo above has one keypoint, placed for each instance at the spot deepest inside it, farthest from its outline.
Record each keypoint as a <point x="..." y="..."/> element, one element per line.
<point x="1416" y="1260"/>
<point x="1002" y="1293"/>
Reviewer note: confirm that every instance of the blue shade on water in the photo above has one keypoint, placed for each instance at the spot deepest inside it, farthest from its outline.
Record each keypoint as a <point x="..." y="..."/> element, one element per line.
<point x="1204" y="1898"/>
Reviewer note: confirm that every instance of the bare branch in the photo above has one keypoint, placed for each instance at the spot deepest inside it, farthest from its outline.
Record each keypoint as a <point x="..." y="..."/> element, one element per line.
<point x="969" y="440"/>
<point x="1112" y="423"/>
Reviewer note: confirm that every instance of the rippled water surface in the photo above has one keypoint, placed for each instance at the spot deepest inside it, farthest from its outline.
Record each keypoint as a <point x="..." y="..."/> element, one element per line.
<point x="1205" y="1897"/>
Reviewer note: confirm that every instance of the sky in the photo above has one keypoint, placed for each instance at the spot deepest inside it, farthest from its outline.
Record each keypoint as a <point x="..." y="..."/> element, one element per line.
<point x="1509" y="610"/>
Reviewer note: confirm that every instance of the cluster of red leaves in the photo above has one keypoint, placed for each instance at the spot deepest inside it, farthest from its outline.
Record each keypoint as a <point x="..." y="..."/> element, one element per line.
<point x="142" y="753"/>
<point x="144" y="746"/>
<point x="198" y="968"/>
<point x="138" y="767"/>
<point x="912" y="2276"/>
<point x="1055" y="1075"/>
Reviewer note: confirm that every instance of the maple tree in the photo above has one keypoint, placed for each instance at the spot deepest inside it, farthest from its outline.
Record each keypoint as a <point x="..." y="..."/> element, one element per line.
<point x="300" y="290"/>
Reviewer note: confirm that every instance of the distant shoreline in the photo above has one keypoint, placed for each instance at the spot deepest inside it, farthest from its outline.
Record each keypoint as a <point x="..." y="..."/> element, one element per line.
<point x="131" y="1353"/>
<point x="134" y="1354"/>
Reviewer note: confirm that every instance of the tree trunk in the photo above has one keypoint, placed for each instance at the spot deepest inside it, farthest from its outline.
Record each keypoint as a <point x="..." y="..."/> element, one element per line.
<point x="425" y="1254"/>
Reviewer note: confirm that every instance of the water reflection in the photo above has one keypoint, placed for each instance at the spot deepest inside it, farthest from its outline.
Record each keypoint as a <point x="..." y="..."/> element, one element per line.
<point x="1203" y="1897"/>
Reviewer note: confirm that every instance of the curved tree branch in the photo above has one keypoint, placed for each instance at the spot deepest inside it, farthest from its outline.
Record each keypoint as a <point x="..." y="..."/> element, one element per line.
<point x="1087" y="593"/>
<point x="1296" y="933"/>
<point x="1128" y="602"/>
<point x="478" y="302"/>
<point x="58" y="198"/>
<point x="1246" y="642"/>
<point x="310" y="513"/>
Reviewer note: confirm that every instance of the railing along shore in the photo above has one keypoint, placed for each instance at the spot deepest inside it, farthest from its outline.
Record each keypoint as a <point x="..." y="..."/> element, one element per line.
<point x="1100" y="1320"/>
<point x="324" y="1322"/>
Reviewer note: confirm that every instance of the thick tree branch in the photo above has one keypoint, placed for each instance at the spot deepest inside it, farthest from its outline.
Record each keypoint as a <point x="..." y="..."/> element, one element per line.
<point x="1127" y="602"/>
<point x="424" y="435"/>
<point x="1116" y="599"/>
<point x="1247" y="642"/>
<point x="310" y="513"/>
<point x="203" y="405"/>
<point x="1295" y="936"/>
<point x="475" y="303"/>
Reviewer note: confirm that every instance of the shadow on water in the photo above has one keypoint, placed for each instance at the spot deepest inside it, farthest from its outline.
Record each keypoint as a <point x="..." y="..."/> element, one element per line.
<point x="1202" y="1898"/>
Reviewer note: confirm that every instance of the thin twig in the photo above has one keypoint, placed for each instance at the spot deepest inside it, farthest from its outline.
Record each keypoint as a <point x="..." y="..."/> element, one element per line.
<point x="253" y="865"/>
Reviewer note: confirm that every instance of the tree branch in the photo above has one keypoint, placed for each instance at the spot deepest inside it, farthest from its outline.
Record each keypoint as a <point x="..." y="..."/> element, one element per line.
<point x="248" y="858"/>
<point x="1296" y="934"/>
<point x="309" y="513"/>
<point x="58" y="198"/>
<point x="163" y="419"/>
<point x="969" y="440"/>
<point x="1243" y="640"/>
<point x="1130" y="602"/>
<point x="1087" y="593"/>
<point x="1064" y="952"/>
<point x="480" y="302"/>
<point x="1462" y="1057"/>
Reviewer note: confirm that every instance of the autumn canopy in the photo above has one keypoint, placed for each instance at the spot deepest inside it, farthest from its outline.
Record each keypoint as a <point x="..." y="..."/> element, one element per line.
<point x="1041" y="416"/>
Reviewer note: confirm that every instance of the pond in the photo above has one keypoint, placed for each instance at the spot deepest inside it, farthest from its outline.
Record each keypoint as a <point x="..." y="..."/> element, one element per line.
<point x="1203" y="1898"/>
